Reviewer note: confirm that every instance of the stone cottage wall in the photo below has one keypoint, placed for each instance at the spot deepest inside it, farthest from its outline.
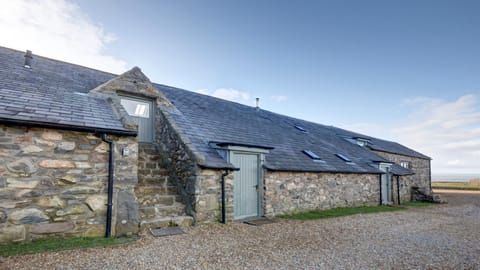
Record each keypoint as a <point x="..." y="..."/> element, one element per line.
<point x="287" y="192"/>
<point x="209" y="196"/>
<point x="53" y="183"/>
<point x="421" y="178"/>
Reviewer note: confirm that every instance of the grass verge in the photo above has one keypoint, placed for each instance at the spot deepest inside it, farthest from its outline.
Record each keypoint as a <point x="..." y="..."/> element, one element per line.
<point x="419" y="204"/>
<point x="455" y="185"/>
<point x="341" y="211"/>
<point x="49" y="245"/>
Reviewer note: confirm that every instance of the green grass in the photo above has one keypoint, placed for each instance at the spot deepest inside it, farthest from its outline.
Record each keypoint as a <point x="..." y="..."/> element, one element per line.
<point x="455" y="185"/>
<point x="341" y="211"/>
<point x="49" y="245"/>
<point x="419" y="204"/>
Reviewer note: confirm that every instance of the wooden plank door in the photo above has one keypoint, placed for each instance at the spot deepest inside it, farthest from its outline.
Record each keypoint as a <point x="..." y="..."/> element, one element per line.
<point x="246" y="185"/>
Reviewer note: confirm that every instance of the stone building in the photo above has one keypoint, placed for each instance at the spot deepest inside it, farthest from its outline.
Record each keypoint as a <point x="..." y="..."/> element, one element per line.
<point x="88" y="153"/>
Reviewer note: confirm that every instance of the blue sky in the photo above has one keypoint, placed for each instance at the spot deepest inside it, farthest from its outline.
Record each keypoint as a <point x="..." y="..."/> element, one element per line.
<point x="401" y="70"/>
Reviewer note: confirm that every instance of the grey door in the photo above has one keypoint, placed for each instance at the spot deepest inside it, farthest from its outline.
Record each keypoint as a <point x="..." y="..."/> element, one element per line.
<point x="387" y="187"/>
<point x="141" y="112"/>
<point x="246" y="186"/>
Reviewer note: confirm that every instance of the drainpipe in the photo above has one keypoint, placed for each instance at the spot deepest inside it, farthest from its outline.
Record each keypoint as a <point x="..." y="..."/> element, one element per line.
<point x="398" y="189"/>
<point x="108" y="229"/>
<point x="222" y="183"/>
<point x="380" y="182"/>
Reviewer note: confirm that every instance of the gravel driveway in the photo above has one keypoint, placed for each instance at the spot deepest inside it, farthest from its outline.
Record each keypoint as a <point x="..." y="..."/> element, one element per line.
<point x="436" y="237"/>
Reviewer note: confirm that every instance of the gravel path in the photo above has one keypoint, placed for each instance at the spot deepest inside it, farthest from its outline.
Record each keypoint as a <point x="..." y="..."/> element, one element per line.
<point x="436" y="237"/>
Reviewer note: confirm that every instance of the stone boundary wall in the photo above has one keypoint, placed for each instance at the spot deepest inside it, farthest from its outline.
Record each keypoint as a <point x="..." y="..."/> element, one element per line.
<point x="53" y="183"/>
<point x="289" y="192"/>
<point x="421" y="178"/>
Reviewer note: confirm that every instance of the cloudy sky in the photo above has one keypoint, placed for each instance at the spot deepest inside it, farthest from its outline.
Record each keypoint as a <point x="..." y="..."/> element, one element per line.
<point x="407" y="71"/>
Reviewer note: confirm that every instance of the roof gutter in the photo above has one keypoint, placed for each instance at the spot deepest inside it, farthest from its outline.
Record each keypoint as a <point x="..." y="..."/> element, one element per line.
<point x="67" y="127"/>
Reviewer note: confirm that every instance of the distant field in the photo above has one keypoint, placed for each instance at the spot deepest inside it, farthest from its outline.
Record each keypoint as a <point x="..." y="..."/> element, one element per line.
<point x="455" y="185"/>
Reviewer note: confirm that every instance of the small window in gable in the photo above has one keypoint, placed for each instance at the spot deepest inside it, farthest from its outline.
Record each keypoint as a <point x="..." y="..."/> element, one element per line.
<point x="141" y="112"/>
<point x="405" y="164"/>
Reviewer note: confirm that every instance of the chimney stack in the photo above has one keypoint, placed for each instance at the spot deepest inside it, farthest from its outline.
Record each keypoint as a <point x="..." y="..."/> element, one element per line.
<point x="257" y="103"/>
<point x="28" y="59"/>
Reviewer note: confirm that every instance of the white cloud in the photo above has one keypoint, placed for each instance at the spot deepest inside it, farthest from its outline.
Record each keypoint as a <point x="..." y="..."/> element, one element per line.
<point x="228" y="94"/>
<point x="57" y="29"/>
<point x="448" y="131"/>
<point x="279" y="98"/>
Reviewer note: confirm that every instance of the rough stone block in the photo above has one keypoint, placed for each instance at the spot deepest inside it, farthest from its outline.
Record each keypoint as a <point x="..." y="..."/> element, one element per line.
<point x="83" y="165"/>
<point x="102" y="148"/>
<point x="63" y="147"/>
<point x="156" y="223"/>
<point x="147" y="211"/>
<point x="31" y="149"/>
<point x="76" y="209"/>
<point x="97" y="203"/>
<point x="23" y="139"/>
<point x="12" y="234"/>
<point x="51" y="202"/>
<point x="127" y="213"/>
<point x="56" y="164"/>
<point x="183" y="221"/>
<point x="80" y="190"/>
<point x="24" y="183"/>
<point x="28" y="216"/>
<point x="47" y="228"/>
<point x="80" y="157"/>
<point x="95" y="230"/>
<point x="52" y="135"/>
<point x="23" y="166"/>
<point x="39" y="141"/>
<point x="66" y="180"/>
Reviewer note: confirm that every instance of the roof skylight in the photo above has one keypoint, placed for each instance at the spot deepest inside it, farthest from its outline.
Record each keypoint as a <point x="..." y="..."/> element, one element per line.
<point x="344" y="158"/>
<point x="302" y="129"/>
<point x="311" y="154"/>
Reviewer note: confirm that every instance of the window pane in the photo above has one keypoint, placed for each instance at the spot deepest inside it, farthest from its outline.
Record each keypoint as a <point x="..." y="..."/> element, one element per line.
<point x="136" y="108"/>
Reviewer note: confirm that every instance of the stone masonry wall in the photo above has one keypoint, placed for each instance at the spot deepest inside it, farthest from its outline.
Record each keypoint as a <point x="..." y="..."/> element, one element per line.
<point x="198" y="188"/>
<point x="176" y="159"/>
<point x="209" y="194"/>
<point x="53" y="183"/>
<point x="287" y="192"/>
<point x="421" y="178"/>
<point x="158" y="199"/>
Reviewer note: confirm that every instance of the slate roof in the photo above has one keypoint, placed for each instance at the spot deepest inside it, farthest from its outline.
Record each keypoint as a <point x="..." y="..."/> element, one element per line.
<point x="207" y="119"/>
<point x="57" y="92"/>
<point x="381" y="145"/>
<point x="50" y="93"/>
